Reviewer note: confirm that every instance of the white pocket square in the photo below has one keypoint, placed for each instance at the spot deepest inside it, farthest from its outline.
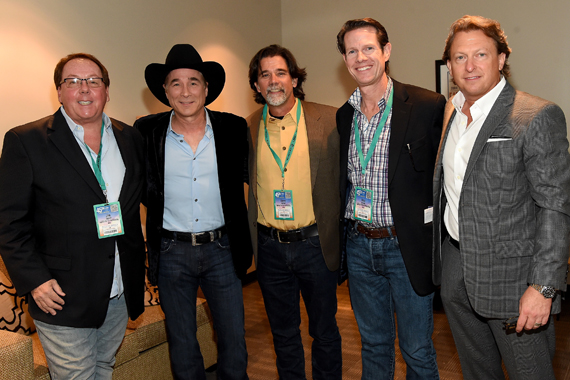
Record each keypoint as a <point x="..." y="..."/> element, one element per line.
<point x="499" y="138"/>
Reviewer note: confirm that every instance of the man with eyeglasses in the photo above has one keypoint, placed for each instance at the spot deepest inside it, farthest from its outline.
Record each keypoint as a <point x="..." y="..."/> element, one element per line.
<point x="70" y="232"/>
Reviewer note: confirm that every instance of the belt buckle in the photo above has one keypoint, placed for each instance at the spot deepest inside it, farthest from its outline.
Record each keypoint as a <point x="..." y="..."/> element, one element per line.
<point x="279" y="238"/>
<point x="212" y="236"/>
<point x="194" y="240"/>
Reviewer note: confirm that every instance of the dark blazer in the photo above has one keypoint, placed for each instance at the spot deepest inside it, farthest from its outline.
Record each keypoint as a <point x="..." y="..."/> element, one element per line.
<point x="323" y="156"/>
<point x="417" y="116"/>
<point x="514" y="209"/>
<point x="231" y="153"/>
<point x="47" y="221"/>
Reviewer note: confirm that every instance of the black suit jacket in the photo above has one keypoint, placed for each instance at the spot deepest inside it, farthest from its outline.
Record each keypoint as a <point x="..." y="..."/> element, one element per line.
<point x="231" y="154"/>
<point x="47" y="221"/>
<point x="417" y="119"/>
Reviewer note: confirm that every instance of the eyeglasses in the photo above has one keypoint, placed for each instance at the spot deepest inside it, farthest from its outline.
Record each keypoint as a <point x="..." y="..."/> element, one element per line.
<point x="77" y="82"/>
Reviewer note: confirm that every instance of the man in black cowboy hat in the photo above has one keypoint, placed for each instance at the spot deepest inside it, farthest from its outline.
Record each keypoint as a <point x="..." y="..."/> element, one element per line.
<point x="197" y="230"/>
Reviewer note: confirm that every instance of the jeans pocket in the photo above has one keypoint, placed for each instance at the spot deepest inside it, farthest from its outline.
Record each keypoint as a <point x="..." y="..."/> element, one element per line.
<point x="262" y="239"/>
<point x="314" y="241"/>
<point x="223" y="242"/>
<point x="166" y="245"/>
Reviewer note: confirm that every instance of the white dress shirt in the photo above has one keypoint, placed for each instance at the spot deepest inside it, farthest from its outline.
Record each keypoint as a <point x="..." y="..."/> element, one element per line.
<point x="113" y="172"/>
<point x="458" y="147"/>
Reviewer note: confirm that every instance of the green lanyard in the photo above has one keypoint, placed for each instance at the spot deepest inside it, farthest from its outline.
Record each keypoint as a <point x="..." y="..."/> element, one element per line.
<point x="97" y="164"/>
<point x="385" y="114"/>
<point x="291" y="146"/>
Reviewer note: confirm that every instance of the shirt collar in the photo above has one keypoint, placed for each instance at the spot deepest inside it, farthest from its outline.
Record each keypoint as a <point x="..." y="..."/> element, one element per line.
<point x="74" y="126"/>
<point x="355" y="99"/>
<point x="292" y="113"/>
<point x="209" y="131"/>
<point x="483" y="104"/>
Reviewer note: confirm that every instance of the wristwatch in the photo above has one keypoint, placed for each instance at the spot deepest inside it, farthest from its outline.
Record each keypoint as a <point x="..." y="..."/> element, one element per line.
<point x="546" y="291"/>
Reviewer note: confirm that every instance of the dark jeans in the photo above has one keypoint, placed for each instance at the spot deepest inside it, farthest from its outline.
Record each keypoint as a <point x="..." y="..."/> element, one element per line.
<point x="380" y="287"/>
<point x="284" y="270"/>
<point x="182" y="268"/>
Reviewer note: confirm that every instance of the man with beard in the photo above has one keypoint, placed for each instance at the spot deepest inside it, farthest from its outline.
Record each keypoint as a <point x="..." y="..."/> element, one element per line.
<point x="294" y="211"/>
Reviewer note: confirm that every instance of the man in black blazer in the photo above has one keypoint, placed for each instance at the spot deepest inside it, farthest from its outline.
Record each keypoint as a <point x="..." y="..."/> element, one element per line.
<point x="197" y="230"/>
<point x="70" y="231"/>
<point x="389" y="135"/>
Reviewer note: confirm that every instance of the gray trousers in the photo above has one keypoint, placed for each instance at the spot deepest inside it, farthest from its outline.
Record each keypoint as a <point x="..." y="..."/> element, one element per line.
<point x="482" y="342"/>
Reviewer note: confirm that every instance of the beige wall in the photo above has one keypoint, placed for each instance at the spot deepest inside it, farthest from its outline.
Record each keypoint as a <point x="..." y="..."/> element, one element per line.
<point x="126" y="36"/>
<point x="537" y="31"/>
<point x="129" y="34"/>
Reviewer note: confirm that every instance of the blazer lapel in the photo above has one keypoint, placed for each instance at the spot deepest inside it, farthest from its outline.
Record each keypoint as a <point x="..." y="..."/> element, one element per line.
<point x="126" y="155"/>
<point x="499" y="111"/>
<point x="315" y="132"/>
<point x="159" y="143"/>
<point x="401" y="111"/>
<point x="254" y="132"/>
<point x="62" y="137"/>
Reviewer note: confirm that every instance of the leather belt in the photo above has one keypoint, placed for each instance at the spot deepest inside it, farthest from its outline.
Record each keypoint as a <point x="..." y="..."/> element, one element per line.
<point x="376" y="233"/>
<point x="195" y="238"/>
<point x="289" y="236"/>
<point x="454" y="243"/>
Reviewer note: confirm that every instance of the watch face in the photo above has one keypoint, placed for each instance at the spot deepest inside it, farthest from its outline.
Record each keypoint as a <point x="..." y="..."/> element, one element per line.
<point x="548" y="292"/>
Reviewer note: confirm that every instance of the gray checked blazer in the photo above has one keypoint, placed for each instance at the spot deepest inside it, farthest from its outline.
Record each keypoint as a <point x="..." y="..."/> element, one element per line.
<point x="514" y="208"/>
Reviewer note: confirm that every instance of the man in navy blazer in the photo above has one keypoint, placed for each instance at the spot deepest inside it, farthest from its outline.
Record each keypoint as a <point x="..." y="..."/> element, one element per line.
<point x="501" y="211"/>
<point x="389" y="134"/>
<point x="63" y="180"/>
<point x="197" y="230"/>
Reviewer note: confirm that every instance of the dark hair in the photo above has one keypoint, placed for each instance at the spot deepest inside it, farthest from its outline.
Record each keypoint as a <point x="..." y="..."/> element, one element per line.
<point x="491" y="28"/>
<point x="58" y="72"/>
<point x="294" y="70"/>
<point x="350" y="25"/>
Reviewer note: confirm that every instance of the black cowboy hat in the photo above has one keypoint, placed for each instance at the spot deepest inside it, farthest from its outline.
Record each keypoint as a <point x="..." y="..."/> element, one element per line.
<point x="184" y="56"/>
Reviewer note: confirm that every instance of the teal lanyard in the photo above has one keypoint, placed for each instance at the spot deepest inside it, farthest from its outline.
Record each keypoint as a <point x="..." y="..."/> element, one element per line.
<point x="282" y="166"/>
<point x="97" y="164"/>
<point x="385" y="114"/>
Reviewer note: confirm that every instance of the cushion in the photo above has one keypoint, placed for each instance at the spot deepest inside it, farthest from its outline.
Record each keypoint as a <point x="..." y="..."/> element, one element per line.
<point x="151" y="294"/>
<point x="13" y="309"/>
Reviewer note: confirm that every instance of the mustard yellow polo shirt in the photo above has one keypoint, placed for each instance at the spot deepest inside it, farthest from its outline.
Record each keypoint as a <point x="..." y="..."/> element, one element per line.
<point x="297" y="176"/>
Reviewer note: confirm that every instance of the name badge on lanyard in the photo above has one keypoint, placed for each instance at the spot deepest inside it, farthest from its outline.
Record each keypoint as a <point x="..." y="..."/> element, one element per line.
<point x="282" y="199"/>
<point x="283" y="204"/>
<point x="363" y="204"/>
<point x="108" y="218"/>
<point x="363" y="198"/>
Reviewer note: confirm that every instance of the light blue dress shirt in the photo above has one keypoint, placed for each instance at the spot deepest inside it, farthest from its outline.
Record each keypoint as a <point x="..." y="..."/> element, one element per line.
<point x="192" y="201"/>
<point x="113" y="171"/>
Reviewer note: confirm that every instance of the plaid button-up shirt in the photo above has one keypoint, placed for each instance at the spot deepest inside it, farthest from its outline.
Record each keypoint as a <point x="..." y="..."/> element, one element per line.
<point x="375" y="177"/>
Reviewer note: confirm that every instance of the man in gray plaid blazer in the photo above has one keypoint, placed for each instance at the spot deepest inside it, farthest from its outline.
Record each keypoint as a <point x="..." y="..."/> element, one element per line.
<point x="502" y="190"/>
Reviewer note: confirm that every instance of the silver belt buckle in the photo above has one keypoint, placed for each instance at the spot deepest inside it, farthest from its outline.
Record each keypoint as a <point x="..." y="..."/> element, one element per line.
<point x="212" y="236"/>
<point x="194" y="240"/>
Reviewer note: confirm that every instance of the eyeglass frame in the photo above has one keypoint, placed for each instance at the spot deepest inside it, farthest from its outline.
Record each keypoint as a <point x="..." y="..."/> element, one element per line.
<point x="81" y="81"/>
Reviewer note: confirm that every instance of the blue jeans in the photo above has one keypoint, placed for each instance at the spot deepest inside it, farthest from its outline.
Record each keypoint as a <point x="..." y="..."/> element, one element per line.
<point x="284" y="270"/>
<point x="85" y="353"/>
<point x="379" y="286"/>
<point x="182" y="269"/>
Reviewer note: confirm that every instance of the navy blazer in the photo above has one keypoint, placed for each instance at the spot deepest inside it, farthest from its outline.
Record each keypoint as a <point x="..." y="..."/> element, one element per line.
<point x="231" y="155"/>
<point x="417" y="119"/>
<point x="47" y="221"/>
